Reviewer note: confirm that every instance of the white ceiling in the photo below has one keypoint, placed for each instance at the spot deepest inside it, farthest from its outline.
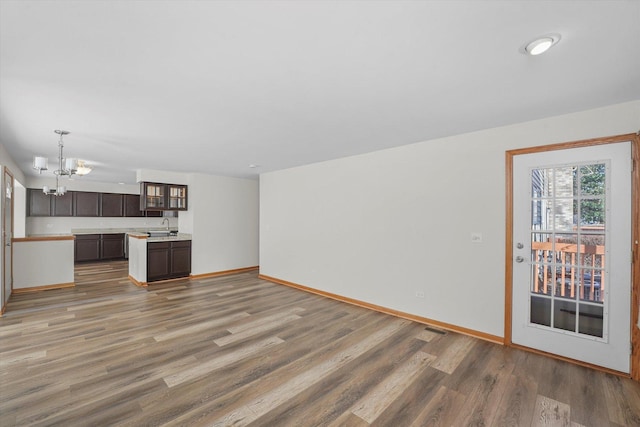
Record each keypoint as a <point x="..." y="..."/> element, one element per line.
<point x="213" y="86"/>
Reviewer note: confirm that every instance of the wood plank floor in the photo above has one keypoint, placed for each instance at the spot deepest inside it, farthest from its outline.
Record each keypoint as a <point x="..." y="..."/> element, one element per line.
<point x="238" y="350"/>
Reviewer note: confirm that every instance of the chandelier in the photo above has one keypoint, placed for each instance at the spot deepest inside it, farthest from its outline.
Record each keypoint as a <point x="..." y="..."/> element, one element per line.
<point x="66" y="167"/>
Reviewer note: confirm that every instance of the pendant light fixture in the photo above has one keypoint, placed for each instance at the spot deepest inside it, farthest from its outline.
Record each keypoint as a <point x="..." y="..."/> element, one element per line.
<point x="66" y="167"/>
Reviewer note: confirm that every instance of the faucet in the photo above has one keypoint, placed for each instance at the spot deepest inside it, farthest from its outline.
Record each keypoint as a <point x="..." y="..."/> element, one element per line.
<point x="166" y="219"/>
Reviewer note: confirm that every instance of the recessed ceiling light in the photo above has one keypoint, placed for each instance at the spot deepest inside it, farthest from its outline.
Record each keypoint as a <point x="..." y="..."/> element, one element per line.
<point x="253" y="166"/>
<point x="540" y="44"/>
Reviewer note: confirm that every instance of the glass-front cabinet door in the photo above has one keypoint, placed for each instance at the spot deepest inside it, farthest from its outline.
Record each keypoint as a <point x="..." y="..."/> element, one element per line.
<point x="153" y="196"/>
<point x="163" y="197"/>
<point x="177" y="197"/>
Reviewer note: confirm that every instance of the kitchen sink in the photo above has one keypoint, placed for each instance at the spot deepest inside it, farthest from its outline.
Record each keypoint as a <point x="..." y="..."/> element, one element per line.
<point x="159" y="233"/>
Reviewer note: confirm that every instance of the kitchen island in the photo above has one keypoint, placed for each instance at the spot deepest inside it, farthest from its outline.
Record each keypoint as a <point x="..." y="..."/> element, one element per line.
<point x="157" y="258"/>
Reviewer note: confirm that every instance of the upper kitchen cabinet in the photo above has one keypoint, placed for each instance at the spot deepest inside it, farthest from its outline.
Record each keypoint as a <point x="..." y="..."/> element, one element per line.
<point x="62" y="205"/>
<point x="112" y="204"/>
<point x="163" y="197"/>
<point x="132" y="205"/>
<point x="39" y="203"/>
<point x="177" y="197"/>
<point x="86" y="203"/>
<point x="153" y="196"/>
<point x="91" y="204"/>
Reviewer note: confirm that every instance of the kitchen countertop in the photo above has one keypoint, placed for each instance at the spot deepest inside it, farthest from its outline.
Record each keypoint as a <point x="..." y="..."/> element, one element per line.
<point x="179" y="236"/>
<point x="118" y="230"/>
<point x="42" y="237"/>
<point x="143" y="235"/>
<point x="138" y="232"/>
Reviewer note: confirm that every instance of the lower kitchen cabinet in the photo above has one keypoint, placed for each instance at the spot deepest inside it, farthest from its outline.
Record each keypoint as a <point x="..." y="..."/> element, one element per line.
<point x="87" y="247"/>
<point x="112" y="246"/>
<point x="168" y="260"/>
<point x="98" y="247"/>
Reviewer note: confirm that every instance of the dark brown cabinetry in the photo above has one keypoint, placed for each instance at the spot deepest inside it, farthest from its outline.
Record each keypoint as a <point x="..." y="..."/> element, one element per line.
<point x="39" y="203"/>
<point x="62" y="205"/>
<point x="112" y="246"/>
<point x="87" y="247"/>
<point x="86" y="203"/>
<point x="111" y="204"/>
<point x="181" y="258"/>
<point x="163" y="197"/>
<point x="168" y="260"/>
<point x="153" y="196"/>
<point x="99" y="247"/>
<point x="132" y="205"/>
<point x="158" y="260"/>
<point x="177" y="196"/>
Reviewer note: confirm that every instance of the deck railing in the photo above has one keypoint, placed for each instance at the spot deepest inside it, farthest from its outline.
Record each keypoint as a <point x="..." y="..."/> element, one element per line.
<point x="571" y="268"/>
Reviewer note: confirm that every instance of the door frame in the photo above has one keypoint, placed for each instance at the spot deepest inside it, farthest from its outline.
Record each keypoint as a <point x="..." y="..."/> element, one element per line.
<point x="5" y="172"/>
<point x="635" y="235"/>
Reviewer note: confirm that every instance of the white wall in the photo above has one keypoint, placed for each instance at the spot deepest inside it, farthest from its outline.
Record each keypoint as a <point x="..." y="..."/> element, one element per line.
<point x="7" y="161"/>
<point x="223" y="221"/>
<point x="382" y="226"/>
<point x="19" y="209"/>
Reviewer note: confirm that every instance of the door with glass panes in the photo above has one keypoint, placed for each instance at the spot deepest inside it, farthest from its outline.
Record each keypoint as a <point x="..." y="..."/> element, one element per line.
<point x="572" y="253"/>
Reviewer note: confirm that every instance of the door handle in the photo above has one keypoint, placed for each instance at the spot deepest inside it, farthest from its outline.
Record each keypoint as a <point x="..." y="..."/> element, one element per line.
<point x="519" y="259"/>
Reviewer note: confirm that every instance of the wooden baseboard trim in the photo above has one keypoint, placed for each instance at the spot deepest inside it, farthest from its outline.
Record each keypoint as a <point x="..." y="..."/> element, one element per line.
<point x="574" y="361"/>
<point x="43" y="288"/>
<point x="442" y="325"/>
<point x="223" y="273"/>
<point x="4" y="307"/>
<point x="137" y="283"/>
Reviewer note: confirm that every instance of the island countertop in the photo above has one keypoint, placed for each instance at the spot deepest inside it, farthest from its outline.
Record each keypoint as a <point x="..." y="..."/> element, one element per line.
<point x="177" y="237"/>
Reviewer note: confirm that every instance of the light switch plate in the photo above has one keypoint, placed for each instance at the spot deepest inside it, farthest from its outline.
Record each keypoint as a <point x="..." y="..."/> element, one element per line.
<point x="476" y="237"/>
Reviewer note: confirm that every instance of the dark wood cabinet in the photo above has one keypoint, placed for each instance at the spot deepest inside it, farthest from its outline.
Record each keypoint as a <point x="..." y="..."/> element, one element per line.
<point x="153" y="196"/>
<point x="162" y="197"/>
<point x="158" y="261"/>
<point x="112" y="246"/>
<point x="132" y="205"/>
<point x="87" y="247"/>
<point x="111" y="204"/>
<point x="181" y="258"/>
<point x="86" y="203"/>
<point x="99" y="247"/>
<point x="177" y="195"/>
<point x="90" y="204"/>
<point x="63" y="205"/>
<point x="39" y="203"/>
<point x="168" y="260"/>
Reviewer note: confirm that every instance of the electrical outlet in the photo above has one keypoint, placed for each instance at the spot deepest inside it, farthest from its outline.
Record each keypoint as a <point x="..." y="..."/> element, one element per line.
<point x="419" y="294"/>
<point x="476" y="237"/>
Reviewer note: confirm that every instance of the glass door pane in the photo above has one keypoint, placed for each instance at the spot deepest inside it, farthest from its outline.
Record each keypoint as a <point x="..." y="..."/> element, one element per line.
<point x="568" y="224"/>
